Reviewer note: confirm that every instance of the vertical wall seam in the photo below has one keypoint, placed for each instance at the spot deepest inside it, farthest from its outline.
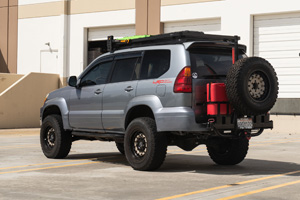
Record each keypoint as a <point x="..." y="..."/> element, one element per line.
<point x="7" y="37"/>
<point x="147" y="21"/>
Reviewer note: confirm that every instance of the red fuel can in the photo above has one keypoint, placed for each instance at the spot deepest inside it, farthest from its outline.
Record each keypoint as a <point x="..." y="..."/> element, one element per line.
<point x="217" y="101"/>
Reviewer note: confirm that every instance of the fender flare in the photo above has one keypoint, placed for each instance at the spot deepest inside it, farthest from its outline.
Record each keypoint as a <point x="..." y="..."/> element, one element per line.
<point x="62" y="106"/>
<point x="152" y="101"/>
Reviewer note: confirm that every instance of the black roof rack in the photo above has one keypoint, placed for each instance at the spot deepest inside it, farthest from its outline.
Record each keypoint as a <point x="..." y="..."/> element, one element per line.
<point x="169" y="38"/>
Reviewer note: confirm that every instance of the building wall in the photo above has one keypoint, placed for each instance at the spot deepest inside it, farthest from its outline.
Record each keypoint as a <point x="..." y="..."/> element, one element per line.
<point x="8" y="35"/>
<point x="236" y="17"/>
<point x="58" y="29"/>
<point x="64" y="24"/>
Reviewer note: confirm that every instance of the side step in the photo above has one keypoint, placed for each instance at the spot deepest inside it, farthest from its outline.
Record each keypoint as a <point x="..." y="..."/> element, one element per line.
<point x="98" y="136"/>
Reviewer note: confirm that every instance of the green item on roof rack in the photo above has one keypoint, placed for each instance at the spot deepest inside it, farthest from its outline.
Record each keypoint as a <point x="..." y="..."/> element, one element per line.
<point x="133" y="37"/>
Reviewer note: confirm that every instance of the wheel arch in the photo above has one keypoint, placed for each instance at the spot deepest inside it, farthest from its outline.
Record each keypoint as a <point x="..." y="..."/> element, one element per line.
<point x="142" y="106"/>
<point x="138" y="111"/>
<point x="57" y="106"/>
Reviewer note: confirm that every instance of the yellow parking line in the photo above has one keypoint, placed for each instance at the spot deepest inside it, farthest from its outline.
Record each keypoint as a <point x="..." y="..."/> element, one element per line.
<point x="267" y="177"/>
<point x="39" y="164"/>
<point x="53" y="167"/>
<point x="20" y="146"/>
<point x="195" y="192"/>
<point x="260" y="190"/>
<point x="50" y="163"/>
<point x="226" y="186"/>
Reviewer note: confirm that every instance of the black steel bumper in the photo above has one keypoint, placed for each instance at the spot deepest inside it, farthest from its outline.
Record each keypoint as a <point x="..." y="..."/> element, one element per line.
<point x="229" y="122"/>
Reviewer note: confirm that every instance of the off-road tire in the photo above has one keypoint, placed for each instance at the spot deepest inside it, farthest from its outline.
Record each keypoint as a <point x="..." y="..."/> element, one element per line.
<point x="55" y="141"/>
<point x="228" y="151"/>
<point x="145" y="148"/>
<point x="120" y="147"/>
<point x="252" y="86"/>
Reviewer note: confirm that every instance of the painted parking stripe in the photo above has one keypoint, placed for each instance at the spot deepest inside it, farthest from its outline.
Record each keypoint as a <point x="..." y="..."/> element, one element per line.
<point x="50" y="163"/>
<point x="52" y="167"/>
<point x="40" y="164"/>
<point x="58" y="166"/>
<point x="20" y="146"/>
<point x="260" y="190"/>
<point x="182" y="152"/>
<point x="227" y="186"/>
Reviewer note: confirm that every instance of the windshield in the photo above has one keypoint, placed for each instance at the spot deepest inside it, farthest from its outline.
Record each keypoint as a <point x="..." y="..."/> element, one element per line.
<point x="211" y="62"/>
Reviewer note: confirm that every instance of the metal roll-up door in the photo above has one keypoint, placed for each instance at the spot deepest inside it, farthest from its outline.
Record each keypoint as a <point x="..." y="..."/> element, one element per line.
<point x="209" y="26"/>
<point x="97" y="38"/>
<point x="101" y="33"/>
<point x="277" y="38"/>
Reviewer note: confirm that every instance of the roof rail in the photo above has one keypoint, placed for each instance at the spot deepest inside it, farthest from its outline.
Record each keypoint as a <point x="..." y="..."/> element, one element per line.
<point x="168" y="38"/>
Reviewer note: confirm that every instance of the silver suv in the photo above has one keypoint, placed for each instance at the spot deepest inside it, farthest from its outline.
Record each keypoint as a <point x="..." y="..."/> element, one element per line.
<point x="184" y="88"/>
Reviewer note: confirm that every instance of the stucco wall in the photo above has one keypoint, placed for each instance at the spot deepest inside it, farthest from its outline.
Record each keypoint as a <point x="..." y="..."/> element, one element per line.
<point x="7" y="80"/>
<point x="33" y="34"/>
<point x="21" y="102"/>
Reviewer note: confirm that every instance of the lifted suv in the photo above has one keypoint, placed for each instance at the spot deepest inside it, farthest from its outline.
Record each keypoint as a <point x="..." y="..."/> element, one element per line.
<point x="184" y="88"/>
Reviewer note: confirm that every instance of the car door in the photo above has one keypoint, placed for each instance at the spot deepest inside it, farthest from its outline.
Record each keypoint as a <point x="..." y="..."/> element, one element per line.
<point x="85" y="104"/>
<point x="120" y="90"/>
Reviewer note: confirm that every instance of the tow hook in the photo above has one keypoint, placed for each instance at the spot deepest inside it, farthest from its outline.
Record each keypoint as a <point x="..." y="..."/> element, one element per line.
<point x="248" y="134"/>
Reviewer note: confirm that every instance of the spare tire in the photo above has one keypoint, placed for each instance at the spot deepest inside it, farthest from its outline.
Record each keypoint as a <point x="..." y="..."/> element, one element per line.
<point x="252" y="86"/>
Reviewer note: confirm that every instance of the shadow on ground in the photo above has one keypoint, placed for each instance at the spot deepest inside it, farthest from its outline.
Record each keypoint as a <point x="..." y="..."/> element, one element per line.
<point x="201" y="164"/>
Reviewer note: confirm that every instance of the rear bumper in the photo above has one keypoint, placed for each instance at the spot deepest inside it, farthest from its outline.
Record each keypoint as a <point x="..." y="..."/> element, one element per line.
<point x="178" y="119"/>
<point x="227" y="122"/>
<point x="183" y="119"/>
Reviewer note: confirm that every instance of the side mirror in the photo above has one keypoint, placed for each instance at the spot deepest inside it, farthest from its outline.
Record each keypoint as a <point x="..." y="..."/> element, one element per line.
<point x="72" y="81"/>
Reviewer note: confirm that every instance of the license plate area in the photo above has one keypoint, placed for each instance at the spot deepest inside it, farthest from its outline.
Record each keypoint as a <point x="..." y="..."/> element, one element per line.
<point x="244" y="123"/>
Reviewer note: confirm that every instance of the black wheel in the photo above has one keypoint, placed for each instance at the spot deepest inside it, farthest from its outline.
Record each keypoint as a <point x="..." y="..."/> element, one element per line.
<point x="145" y="148"/>
<point x="252" y="86"/>
<point x="228" y="151"/>
<point x="55" y="141"/>
<point x="120" y="147"/>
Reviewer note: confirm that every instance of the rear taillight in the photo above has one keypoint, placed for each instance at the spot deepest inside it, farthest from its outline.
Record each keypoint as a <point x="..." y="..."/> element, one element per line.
<point x="183" y="82"/>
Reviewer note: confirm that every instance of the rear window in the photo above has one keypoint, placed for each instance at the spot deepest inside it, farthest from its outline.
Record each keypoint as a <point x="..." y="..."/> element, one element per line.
<point x="155" y="63"/>
<point x="208" y="63"/>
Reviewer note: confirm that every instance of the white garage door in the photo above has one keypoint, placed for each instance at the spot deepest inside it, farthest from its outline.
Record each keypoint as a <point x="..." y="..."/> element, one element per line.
<point x="210" y="26"/>
<point x="277" y="38"/>
<point x="101" y="33"/>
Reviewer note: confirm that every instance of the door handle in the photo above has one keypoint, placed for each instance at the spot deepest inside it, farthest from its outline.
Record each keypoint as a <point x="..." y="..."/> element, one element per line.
<point x="98" y="91"/>
<point x="128" y="89"/>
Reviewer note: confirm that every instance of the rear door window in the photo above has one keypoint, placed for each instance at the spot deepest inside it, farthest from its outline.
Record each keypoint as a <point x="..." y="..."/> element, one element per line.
<point x="125" y="70"/>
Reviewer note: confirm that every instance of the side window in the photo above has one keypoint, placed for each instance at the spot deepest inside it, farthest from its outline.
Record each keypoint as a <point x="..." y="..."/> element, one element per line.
<point x="125" y="70"/>
<point x="155" y="63"/>
<point x="98" y="75"/>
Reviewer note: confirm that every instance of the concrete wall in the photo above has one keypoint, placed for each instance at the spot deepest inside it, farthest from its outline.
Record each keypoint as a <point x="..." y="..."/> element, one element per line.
<point x="6" y="80"/>
<point x="21" y="102"/>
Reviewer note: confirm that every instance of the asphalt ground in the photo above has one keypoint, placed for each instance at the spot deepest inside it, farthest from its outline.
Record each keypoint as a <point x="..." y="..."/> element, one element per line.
<point x="96" y="170"/>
